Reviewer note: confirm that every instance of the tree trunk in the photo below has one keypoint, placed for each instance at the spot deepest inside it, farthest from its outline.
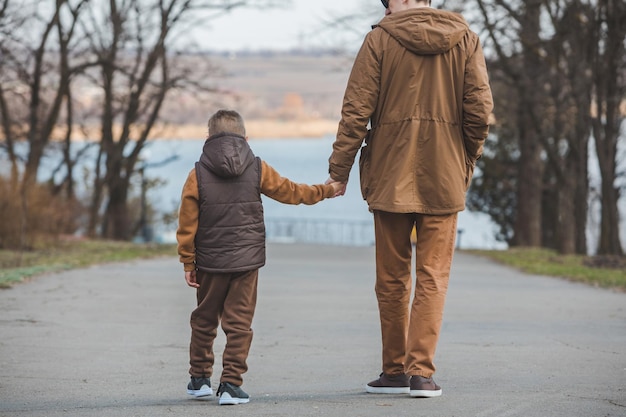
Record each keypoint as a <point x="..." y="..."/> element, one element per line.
<point x="96" y="197"/>
<point x="610" y="89"/>
<point x="527" y="229"/>
<point x="530" y="178"/>
<point x="581" y="200"/>
<point x="117" y="222"/>
<point x="567" y="232"/>
<point x="609" y="226"/>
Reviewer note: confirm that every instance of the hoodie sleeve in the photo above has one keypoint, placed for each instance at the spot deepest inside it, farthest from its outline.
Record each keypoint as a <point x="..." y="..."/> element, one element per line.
<point x="286" y="191"/>
<point x="188" y="222"/>
<point x="477" y="103"/>
<point x="359" y="103"/>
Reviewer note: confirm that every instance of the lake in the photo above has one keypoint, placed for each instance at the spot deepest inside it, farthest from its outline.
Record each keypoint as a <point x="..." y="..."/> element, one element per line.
<point x="305" y="161"/>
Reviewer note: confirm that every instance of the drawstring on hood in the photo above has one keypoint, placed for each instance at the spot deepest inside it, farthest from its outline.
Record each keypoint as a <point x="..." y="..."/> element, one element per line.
<point x="425" y="31"/>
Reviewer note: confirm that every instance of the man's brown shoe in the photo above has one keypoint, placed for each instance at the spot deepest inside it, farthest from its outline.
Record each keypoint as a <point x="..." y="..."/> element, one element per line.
<point x="424" y="387"/>
<point x="389" y="384"/>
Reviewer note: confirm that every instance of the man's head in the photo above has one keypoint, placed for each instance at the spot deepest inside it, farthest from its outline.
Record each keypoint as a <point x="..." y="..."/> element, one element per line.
<point x="226" y="121"/>
<point x="392" y="6"/>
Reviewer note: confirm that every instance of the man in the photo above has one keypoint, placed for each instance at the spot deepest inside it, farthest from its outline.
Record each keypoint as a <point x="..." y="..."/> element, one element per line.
<point x="420" y="82"/>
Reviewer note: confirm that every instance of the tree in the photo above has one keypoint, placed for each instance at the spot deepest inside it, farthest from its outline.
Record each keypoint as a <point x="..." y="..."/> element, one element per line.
<point x="568" y="91"/>
<point x="36" y="72"/>
<point x="609" y="81"/>
<point x="514" y="37"/>
<point x="548" y="52"/>
<point x="138" y="67"/>
<point x="52" y="51"/>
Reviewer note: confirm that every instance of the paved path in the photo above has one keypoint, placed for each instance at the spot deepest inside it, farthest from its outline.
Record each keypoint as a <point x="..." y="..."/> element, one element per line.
<point x="112" y="340"/>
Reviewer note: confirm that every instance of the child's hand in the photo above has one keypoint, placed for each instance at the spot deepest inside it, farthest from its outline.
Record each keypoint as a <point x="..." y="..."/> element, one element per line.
<point x="190" y="277"/>
<point x="339" y="187"/>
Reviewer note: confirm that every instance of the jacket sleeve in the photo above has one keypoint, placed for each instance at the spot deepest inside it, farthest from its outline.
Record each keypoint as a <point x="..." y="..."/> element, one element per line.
<point x="286" y="191"/>
<point x="359" y="102"/>
<point x="188" y="222"/>
<point x="477" y="103"/>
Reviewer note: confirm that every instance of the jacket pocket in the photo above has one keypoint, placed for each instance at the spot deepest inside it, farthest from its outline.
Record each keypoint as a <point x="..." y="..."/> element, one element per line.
<point x="364" y="167"/>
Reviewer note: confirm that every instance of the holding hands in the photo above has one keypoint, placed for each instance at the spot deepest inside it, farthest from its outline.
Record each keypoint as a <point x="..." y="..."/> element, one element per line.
<point x="339" y="187"/>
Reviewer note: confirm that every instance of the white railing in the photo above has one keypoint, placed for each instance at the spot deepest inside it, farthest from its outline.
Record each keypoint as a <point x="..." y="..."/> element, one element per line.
<point x="320" y="231"/>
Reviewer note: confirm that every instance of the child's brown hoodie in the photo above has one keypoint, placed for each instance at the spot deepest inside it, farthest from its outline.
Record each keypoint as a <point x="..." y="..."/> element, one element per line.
<point x="272" y="185"/>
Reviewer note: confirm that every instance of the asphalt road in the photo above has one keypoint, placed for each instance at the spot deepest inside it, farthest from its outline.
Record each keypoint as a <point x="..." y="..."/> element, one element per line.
<point x="112" y="340"/>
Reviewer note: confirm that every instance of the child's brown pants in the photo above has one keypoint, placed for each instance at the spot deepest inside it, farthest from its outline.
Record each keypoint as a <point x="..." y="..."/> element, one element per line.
<point x="231" y="299"/>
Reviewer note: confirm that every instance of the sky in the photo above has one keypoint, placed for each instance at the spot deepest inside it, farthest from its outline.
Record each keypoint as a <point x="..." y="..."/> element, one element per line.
<point x="278" y="29"/>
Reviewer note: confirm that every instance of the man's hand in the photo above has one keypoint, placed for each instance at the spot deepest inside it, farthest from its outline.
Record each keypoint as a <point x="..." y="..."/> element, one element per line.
<point x="339" y="187"/>
<point x="190" y="277"/>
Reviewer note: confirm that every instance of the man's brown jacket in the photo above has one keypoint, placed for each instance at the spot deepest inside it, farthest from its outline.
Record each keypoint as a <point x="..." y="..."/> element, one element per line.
<point x="421" y="82"/>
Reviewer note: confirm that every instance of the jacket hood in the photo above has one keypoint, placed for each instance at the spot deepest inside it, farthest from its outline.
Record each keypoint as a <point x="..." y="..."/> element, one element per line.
<point x="424" y="30"/>
<point x="226" y="155"/>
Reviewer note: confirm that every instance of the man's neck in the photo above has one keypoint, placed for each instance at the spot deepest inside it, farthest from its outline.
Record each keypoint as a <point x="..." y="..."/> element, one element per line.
<point x="421" y="4"/>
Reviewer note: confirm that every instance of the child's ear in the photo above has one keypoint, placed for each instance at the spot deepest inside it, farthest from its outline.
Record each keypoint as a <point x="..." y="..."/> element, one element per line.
<point x="246" y="138"/>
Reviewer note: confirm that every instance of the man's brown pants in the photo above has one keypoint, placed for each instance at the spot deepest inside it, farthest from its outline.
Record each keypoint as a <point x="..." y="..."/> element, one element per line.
<point x="231" y="299"/>
<point x="409" y="339"/>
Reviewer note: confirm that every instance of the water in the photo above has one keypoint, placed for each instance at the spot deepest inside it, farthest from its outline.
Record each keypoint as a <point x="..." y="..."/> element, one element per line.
<point x="305" y="161"/>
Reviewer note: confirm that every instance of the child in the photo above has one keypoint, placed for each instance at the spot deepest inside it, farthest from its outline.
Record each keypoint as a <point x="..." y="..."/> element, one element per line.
<point x="221" y="242"/>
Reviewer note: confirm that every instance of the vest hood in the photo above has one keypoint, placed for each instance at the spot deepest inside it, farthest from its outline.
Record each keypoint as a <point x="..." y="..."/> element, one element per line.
<point x="424" y="30"/>
<point x="226" y="155"/>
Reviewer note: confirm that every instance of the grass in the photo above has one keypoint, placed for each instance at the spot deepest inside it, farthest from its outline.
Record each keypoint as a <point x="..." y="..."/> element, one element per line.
<point x="64" y="255"/>
<point x="605" y="272"/>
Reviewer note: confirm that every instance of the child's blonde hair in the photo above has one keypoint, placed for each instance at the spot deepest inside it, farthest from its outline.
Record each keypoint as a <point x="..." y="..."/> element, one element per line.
<point x="226" y="121"/>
